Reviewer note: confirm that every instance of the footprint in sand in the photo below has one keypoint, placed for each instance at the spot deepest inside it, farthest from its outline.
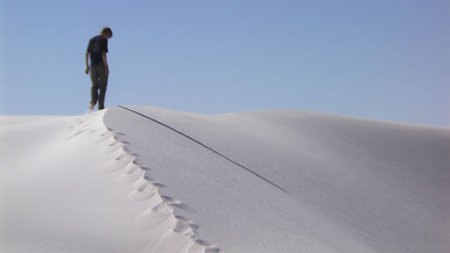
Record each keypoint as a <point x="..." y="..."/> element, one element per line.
<point x="131" y="174"/>
<point x="118" y="163"/>
<point x="144" y="192"/>
<point x="155" y="216"/>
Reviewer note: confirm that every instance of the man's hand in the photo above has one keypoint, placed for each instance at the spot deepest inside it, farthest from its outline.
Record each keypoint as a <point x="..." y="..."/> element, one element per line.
<point x="87" y="70"/>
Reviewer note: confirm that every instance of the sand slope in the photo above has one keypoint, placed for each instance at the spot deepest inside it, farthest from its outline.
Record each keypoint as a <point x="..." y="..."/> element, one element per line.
<point x="147" y="179"/>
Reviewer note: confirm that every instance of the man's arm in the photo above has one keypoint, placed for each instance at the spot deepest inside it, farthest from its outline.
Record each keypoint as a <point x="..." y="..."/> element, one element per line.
<point x="105" y="60"/>
<point x="87" y="63"/>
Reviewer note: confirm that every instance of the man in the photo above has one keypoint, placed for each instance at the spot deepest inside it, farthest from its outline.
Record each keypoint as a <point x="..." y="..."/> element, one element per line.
<point x="97" y="49"/>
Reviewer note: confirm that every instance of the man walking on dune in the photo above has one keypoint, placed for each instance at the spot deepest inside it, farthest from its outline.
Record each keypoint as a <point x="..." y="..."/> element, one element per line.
<point x="97" y="49"/>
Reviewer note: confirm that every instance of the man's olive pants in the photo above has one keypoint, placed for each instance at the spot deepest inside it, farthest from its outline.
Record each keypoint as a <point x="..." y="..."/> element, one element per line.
<point x="99" y="80"/>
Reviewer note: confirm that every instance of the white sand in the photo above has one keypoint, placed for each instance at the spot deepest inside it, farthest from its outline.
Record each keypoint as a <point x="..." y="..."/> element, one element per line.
<point x="273" y="181"/>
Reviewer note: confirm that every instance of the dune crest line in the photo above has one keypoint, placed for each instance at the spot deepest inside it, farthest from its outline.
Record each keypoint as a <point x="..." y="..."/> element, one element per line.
<point x="204" y="146"/>
<point x="170" y="232"/>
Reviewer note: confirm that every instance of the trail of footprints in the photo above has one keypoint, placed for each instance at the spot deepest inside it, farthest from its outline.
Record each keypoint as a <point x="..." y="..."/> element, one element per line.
<point x="160" y="216"/>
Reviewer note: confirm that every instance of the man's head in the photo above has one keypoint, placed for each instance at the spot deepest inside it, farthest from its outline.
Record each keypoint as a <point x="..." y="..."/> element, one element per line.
<point x="107" y="32"/>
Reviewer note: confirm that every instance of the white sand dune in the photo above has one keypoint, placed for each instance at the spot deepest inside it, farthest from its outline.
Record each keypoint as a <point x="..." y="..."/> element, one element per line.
<point x="147" y="179"/>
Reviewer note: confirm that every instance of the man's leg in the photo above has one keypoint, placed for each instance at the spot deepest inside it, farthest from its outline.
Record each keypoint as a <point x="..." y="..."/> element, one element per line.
<point x="103" y="84"/>
<point x="95" y="87"/>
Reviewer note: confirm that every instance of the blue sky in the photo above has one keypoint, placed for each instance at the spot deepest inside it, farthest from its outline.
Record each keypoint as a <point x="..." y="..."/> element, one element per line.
<point x="387" y="60"/>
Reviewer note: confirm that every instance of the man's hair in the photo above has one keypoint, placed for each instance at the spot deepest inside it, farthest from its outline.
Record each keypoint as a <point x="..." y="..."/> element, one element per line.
<point x="107" y="31"/>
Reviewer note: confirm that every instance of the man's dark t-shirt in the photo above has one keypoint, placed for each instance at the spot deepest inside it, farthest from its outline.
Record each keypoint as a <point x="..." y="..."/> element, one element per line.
<point x="97" y="45"/>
